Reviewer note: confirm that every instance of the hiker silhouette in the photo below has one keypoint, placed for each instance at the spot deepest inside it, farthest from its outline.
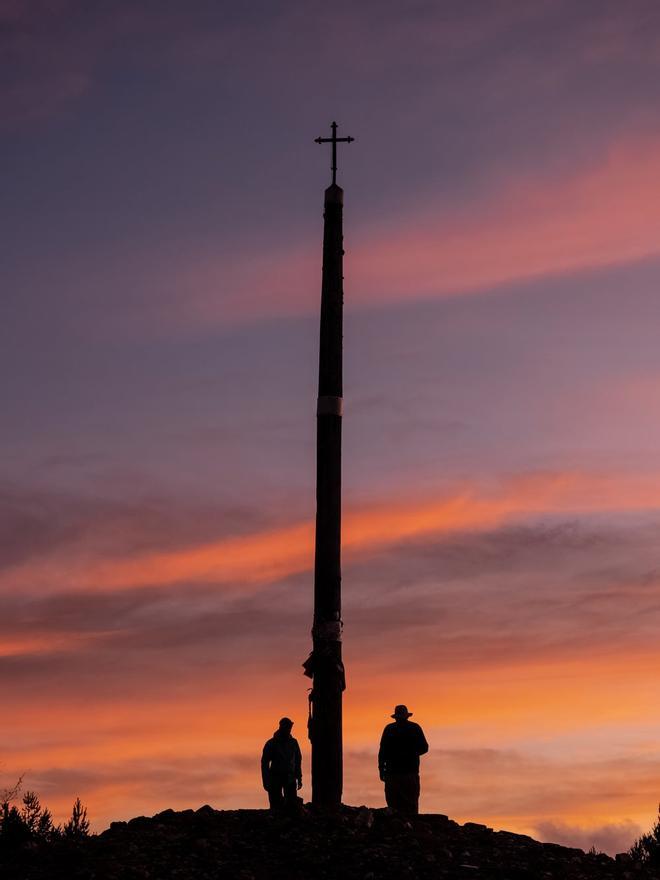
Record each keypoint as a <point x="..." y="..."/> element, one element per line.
<point x="281" y="767"/>
<point x="401" y="744"/>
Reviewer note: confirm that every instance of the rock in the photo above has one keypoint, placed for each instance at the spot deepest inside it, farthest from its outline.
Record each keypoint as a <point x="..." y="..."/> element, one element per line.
<point x="364" y="818"/>
<point x="353" y="844"/>
<point x="206" y="810"/>
<point x="474" y="826"/>
<point x="139" y="822"/>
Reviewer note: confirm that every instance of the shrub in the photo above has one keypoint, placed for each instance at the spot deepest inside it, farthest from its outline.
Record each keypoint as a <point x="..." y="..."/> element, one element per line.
<point x="33" y="823"/>
<point x="78" y="824"/>
<point x="647" y="848"/>
<point x="38" y="822"/>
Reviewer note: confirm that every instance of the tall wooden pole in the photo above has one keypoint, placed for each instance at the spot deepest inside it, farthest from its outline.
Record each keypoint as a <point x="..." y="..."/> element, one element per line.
<point x="325" y="662"/>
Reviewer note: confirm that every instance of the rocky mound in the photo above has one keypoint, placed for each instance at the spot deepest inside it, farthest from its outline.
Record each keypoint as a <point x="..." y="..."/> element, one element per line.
<point x="356" y="844"/>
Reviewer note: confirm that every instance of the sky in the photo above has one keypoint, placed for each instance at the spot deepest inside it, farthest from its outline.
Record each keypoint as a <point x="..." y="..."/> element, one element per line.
<point x="161" y="248"/>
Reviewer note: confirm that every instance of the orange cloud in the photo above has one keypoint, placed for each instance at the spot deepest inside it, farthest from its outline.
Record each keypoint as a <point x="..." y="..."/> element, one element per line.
<point x="598" y="215"/>
<point x="489" y="733"/>
<point x="198" y="738"/>
<point x="516" y="697"/>
<point x="34" y="644"/>
<point x="269" y="555"/>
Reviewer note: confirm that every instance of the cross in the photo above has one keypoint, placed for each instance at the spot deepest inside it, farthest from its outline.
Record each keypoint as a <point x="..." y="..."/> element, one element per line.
<point x="334" y="140"/>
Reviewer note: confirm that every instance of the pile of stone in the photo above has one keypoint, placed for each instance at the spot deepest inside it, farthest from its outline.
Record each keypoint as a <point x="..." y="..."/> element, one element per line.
<point x="355" y="844"/>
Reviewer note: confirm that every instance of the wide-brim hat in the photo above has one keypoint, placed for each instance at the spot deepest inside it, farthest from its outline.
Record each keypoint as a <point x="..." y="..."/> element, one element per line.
<point x="401" y="712"/>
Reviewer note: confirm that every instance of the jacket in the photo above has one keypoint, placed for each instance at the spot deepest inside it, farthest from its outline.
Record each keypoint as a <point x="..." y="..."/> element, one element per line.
<point x="401" y="745"/>
<point x="281" y="759"/>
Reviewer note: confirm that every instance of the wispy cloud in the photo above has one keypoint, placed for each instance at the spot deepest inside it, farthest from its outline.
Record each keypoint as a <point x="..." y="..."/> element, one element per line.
<point x="598" y="214"/>
<point x="518" y="648"/>
<point x="274" y="553"/>
<point x="601" y="214"/>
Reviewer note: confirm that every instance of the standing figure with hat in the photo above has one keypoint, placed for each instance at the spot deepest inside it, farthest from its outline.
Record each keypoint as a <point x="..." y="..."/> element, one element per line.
<point x="401" y="744"/>
<point x="281" y="767"/>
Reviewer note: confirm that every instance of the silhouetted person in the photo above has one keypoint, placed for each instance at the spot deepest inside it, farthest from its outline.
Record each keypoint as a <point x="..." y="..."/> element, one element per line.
<point x="281" y="767"/>
<point x="401" y="744"/>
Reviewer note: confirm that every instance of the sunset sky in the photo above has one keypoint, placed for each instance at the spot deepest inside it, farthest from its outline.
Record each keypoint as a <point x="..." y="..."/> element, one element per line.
<point x="161" y="242"/>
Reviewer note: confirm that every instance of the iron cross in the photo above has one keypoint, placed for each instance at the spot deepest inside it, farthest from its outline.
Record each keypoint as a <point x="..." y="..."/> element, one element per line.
<point x="334" y="140"/>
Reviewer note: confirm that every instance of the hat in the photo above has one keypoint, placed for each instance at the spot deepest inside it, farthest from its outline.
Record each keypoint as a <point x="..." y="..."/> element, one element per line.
<point x="401" y="712"/>
<point x="286" y="722"/>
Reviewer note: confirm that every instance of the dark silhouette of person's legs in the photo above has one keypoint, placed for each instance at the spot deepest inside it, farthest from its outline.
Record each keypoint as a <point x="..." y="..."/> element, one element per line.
<point x="282" y="795"/>
<point x="290" y="795"/>
<point x="402" y="792"/>
<point x="276" y="797"/>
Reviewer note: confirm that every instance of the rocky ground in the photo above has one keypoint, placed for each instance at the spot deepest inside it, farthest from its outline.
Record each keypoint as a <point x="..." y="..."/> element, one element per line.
<point x="356" y="844"/>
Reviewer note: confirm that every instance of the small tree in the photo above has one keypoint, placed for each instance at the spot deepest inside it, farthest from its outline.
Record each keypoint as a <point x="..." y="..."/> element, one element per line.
<point x="78" y="825"/>
<point x="37" y="820"/>
<point x="13" y="831"/>
<point x="30" y="811"/>
<point x="12" y="827"/>
<point x="34" y="823"/>
<point x="647" y="848"/>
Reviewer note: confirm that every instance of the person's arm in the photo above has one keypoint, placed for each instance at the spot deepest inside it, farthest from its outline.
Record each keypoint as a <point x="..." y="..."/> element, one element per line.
<point x="298" y="766"/>
<point x="382" y="761"/>
<point x="423" y="746"/>
<point x="265" y="766"/>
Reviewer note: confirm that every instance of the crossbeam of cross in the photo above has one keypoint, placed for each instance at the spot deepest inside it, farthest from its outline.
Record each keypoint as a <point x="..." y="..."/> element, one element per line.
<point x="334" y="140"/>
